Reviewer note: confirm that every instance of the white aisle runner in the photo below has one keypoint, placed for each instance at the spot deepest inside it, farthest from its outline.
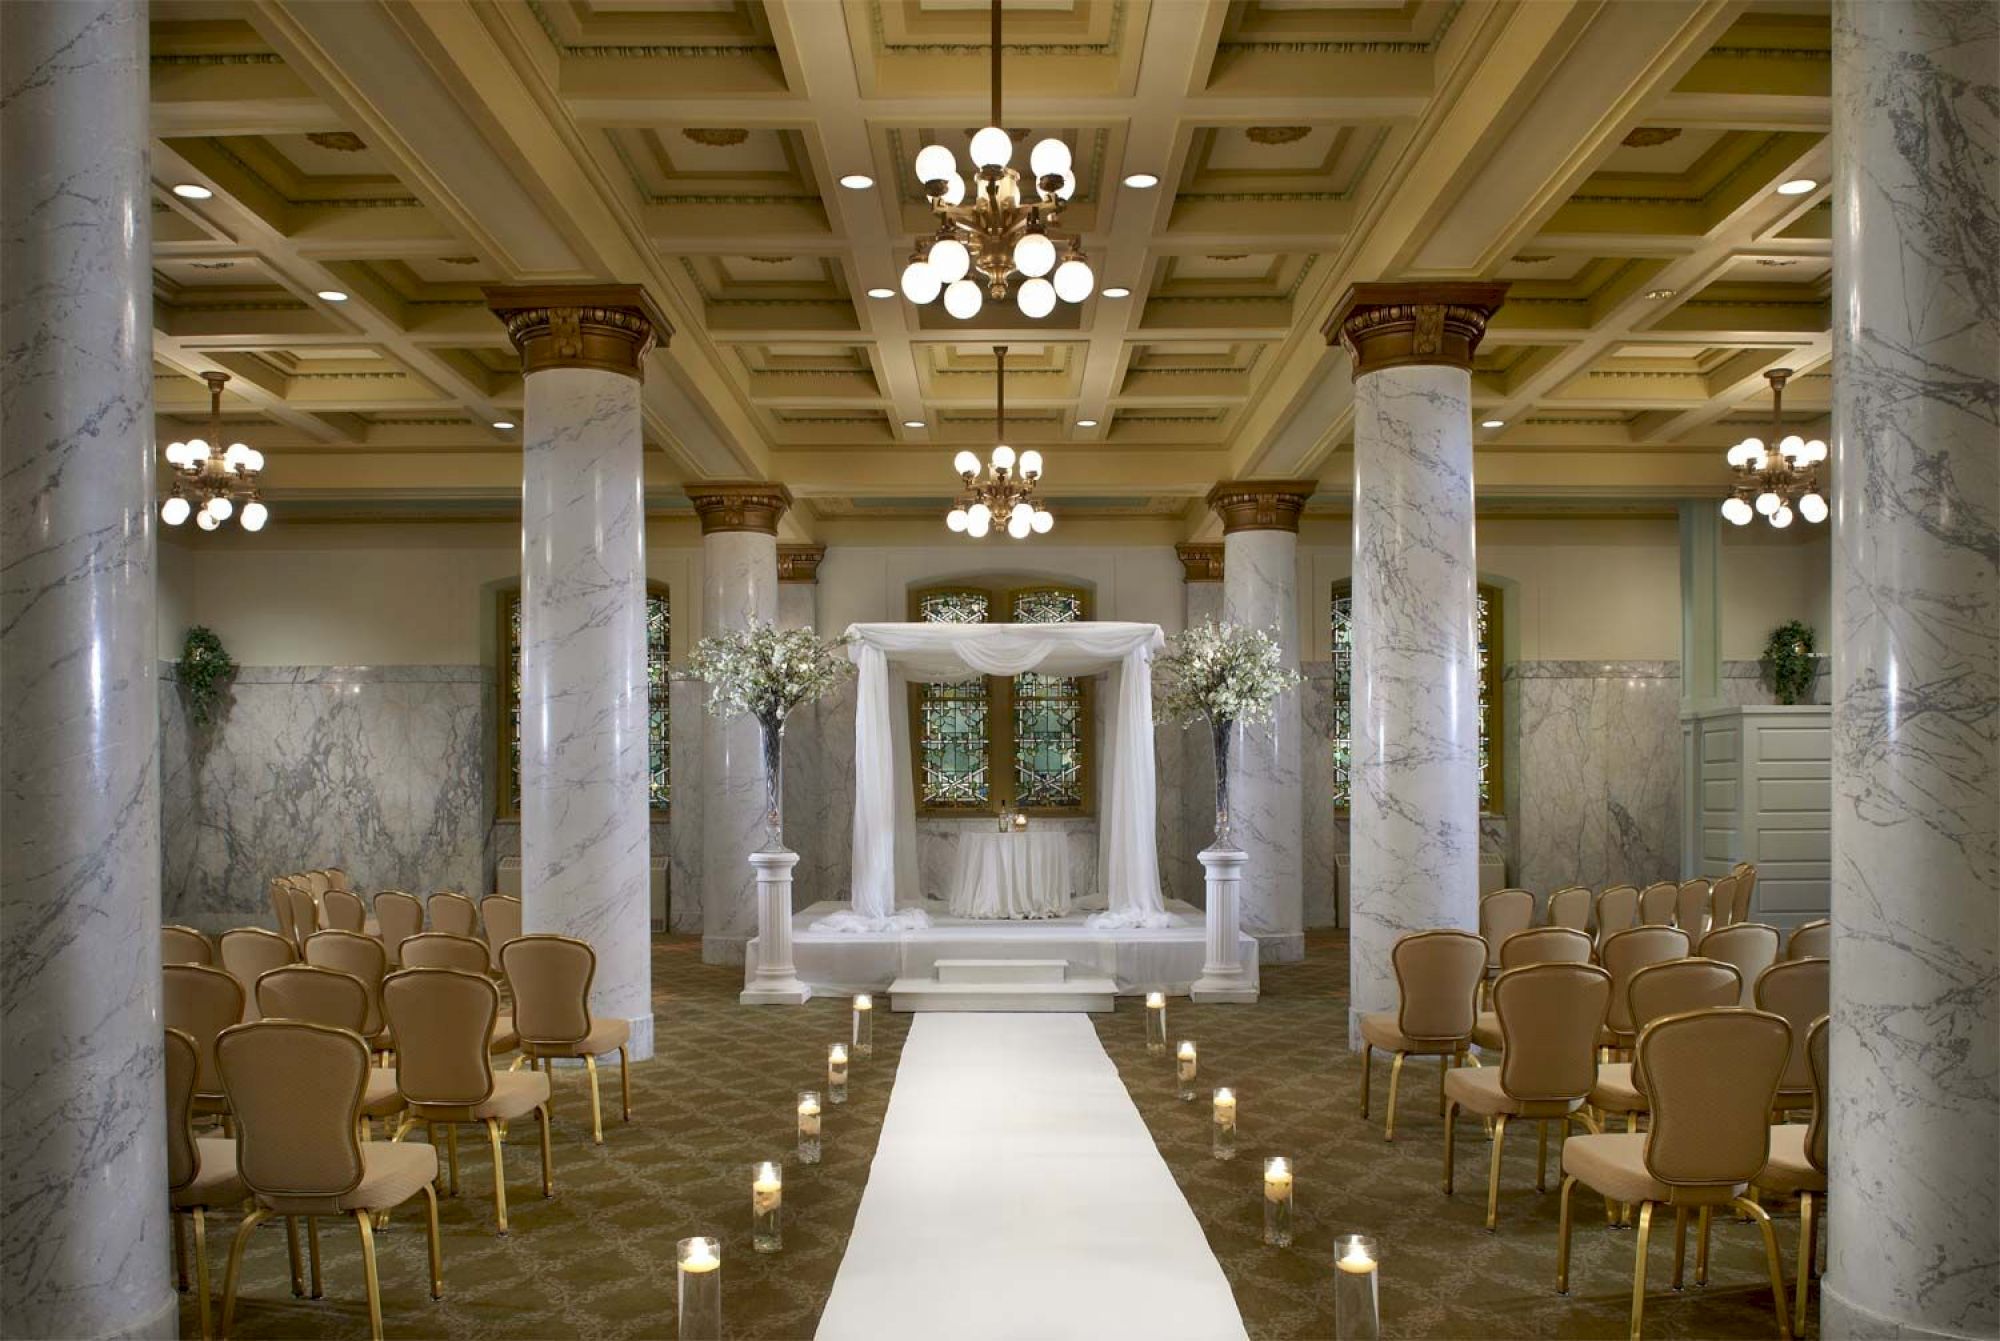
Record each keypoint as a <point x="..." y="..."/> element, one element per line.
<point x="1016" y="1195"/>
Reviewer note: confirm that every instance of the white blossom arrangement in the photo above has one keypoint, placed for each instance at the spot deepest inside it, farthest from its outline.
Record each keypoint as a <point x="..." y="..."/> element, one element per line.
<point x="1221" y="674"/>
<point x="766" y="672"/>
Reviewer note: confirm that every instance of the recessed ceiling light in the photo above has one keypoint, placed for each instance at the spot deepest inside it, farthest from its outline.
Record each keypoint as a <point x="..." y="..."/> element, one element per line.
<point x="857" y="181"/>
<point x="190" y="191"/>
<point x="1657" y="294"/>
<point x="1493" y="423"/>
<point x="1797" y="186"/>
<point x="913" y="423"/>
<point x="333" y="295"/>
<point x="1118" y="291"/>
<point x="1142" y="181"/>
<point x="1086" y="423"/>
<point x="881" y="293"/>
<point x="503" y="423"/>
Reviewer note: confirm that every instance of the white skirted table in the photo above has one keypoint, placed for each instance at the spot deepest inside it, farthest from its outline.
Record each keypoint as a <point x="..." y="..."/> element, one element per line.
<point x="1019" y="873"/>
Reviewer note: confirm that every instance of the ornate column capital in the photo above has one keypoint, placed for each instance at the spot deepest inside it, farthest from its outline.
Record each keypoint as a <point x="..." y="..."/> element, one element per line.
<point x="739" y="505"/>
<point x="1399" y="325"/>
<point x="609" y="327"/>
<point x="1260" y="505"/>
<point x="799" y="563"/>
<point x="1200" y="563"/>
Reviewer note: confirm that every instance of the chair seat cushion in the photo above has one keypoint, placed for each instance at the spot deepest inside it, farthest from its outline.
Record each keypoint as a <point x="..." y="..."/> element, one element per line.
<point x="379" y="1095"/>
<point x="504" y="1038"/>
<point x="1614" y="1165"/>
<point x="391" y="1173"/>
<point x="1380" y="1029"/>
<point x="216" y="1182"/>
<point x="1486" y="1031"/>
<point x="1614" y="1091"/>
<point x="609" y="1035"/>
<point x="1477" y="1090"/>
<point x="515" y="1093"/>
<point x="1787" y="1169"/>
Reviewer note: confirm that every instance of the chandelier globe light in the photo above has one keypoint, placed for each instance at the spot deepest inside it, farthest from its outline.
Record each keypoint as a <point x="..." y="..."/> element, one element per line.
<point x="1004" y="497"/>
<point x="995" y="228"/>
<point x="207" y="484"/>
<point x="1777" y="484"/>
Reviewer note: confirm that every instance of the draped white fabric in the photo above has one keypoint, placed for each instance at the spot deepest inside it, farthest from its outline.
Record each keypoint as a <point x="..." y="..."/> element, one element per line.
<point x="885" y="823"/>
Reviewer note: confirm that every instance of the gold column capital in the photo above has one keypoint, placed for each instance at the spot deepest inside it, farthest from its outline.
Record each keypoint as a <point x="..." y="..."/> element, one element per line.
<point x="739" y="505"/>
<point x="1260" y="505"/>
<point x="799" y="563"/>
<point x="1200" y="563"/>
<point x="1404" y="325"/>
<point x="609" y="327"/>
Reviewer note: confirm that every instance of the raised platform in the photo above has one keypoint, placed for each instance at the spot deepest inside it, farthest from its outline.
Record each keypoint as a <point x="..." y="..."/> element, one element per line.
<point x="1005" y="985"/>
<point x="1135" y="960"/>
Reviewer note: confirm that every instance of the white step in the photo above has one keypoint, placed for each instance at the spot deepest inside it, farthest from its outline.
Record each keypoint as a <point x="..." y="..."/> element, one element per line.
<point x="1001" y="970"/>
<point x="1092" y="995"/>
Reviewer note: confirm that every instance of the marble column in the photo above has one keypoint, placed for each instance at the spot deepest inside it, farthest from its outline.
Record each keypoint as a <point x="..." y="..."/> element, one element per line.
<point x="83" y="1224"/>
<point x="1194" y="809"/>
<point x="809" y="822"/>
<point x="739" y="586"/>
<point x="1414" y="798"/>
<point x="1260" y="541"/>
<point x="1914" y="1175"/>
<point x="585" y="837"/>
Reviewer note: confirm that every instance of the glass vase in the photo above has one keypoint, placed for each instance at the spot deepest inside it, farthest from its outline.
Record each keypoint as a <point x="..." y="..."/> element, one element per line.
<point x="1156" y="1024"/>
<point x="809" y="1119"/>
<point x="773" y="729"/>
<point x="767" y="1206"/>
<point x="698" y="1296"/>
<point x="1223" y="1142"/>
<point x="1224" y="732"/>
<point x="1357" y="1303"/>
<point x="1278" y="1202"/>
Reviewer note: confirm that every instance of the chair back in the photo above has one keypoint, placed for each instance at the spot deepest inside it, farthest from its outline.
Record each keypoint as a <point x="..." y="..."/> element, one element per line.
<point x="453" y="913"/>
<point x="1550" y="1015"/>
<point x="281" y="908"/>
<point x="1816" y="1048"/>
<point x="550" y="977"/>
<point x="1714" y="1074"/>
<point x="1810" y="940"/>
<point x="1675" y="987"/>
<point x="305" y="913"/>
<point x="1625" y="953"/>
<point x="185" y="945"/>
<point x="351" y="952"/>
<point x="183" y="1156"/>
<point x="343" y="911"/>
<point x="501" y="914"/>
<point x="295" y="1089"/>
<point x="1437" y="977"/>
<point x="1544" y="945"/>
<point x="1746" y="886"/>
<point x="1796" y="990"/>
<point x="316" y="995"/>
<point x="1615" y="910"/>
<point x="398" y="916"/>
<point x="1722" y="901"/>
<point x="1570" y="907"/>
<point x="1691" y="907"/>
<point x="201" y="1002"/>
<point x="1656" y="903"/>
<point x="441" y="949"/>
<point x="336" y="879"/>
<point x="442" y="1020"/>
<point x="248" y="953"/>
<point x="1751" y="946"/>
<point x="1501" y="914"/>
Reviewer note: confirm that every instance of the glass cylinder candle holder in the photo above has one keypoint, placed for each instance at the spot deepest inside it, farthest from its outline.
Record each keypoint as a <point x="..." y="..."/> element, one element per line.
<point x="863" y="1042"/>
<point x="1156" y="1023"/>
<point x="1184" y="1069"/>
<point x="1357" y="1305"/>
<point x="767" y="1202"/>
<point x="1278" y="1201"/>
<point x="808" y="1126"/>
<point x="836" y="1073"/>
<point x="698" y="1290"/>
<point x="1223" y="1144"/>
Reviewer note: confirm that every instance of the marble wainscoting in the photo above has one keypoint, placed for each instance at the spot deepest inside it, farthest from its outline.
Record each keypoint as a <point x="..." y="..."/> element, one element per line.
<point x="380" y="770"/>
<point x="1595" y="778"/>
<point x="1747" y="684"/>
<point x="1325" y="830"/>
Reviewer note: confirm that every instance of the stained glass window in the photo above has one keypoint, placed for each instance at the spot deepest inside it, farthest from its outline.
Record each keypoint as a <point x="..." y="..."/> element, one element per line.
<point x="1343" y="688"/>
<point x="1048" y="715"/>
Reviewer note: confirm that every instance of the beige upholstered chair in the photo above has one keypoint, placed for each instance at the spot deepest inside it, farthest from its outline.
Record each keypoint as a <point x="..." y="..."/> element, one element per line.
<point x="362" y="956"/>
<point x="1653" y="992"/>
<point x="442" y="1018"/>
<point x="1549" y="1018"/>
<point x="1623" y="954"/>
<point x="1614" y="911"/>
<point x="1536" y="945"/>
<point x="339" y="1001"/>
<point x="1501" y="914"/>
<point x="305" y="912"/>
<point x="297" y="1088"/>
<point x="441" y="949"/>
<point x="248" y="953"/>
<point x="1570" y="907"/>
<point x="281" y="908"/>
<point x="1810" y="940"/>
<point x="336" y="879"/>
<point x="1746" y="888"/>
<point x="1722" y="901"/>
<point x="201" y="1002"/>
<point x="550" y="978"/>
<point x="501" y="914"/>
<point x="453" y="913"/>
<point x="1712" y="1075"/>
<point x="201" y="1174"/>
<point x="317" y="883"/>
<point x="1656" y="903"/>
<point x="1691" y="907"/>
<point x="185" y="945"/>
<point x="1797" y="990"/>
<point x="398" y="916"/>
<point x="1751" y="946"/>
<point x="343" y="911"/>
<point x="1798" y="1164"/>
<point x="1437" y="980"/>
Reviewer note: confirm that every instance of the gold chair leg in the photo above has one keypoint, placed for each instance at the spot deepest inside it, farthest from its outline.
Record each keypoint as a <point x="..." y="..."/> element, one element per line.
<point x="201" y="1271"/>
<point x="625" y="1081"/>
<point x="548" y="1169"/>
<point x="1367" y="1058"/>
<point x="1701" y="1247"/>
<point x="292" y="1252"/>
<point x="1680" y="1243"/>
<point x="1639" y="1266"/>
<point x="312" y="1254"/>
<point x="499" y="1174"/>
<point x="365" y="1223"/>
<point x="1806" y="1227"/>
<point x="1763" y="1220"/>
<point x="1450" y="1131"/>
<point x="437" y="1253"/>
<point x="1444" y="1069"/>
<point x="451" y="1153"/>
<point x="1562" y="1234"/>
<point x="596" y="1105"/>
<point x="180" y="1252"/>
<point x="233" y="1271"/>
<point x="1493" y="1175"/>
<point x="1542" y="1156"/>
<point x="1395" y="1082"/>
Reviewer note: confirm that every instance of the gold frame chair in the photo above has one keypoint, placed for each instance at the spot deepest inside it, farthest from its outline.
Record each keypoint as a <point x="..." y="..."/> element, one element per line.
<point x="1536" y="945"/>
<point x="392" y="928"/>
<point x="1728" y="943"/>
<point x="1798" y="1164"/>
<point x="1570" y="907"/>
<point x="452" y="912"/>
<point x="1810" y="940"/>
<point x="185" y="945"/>
<point x="550" y="977"/>
<point x="1691" y="906"/>
<point x="1614" y="909"/>
<point x="1656" y="903"/>
<point x="1432" y="1018"/>
<point x="201" y="1173"/>
<point x="247" y="954"/>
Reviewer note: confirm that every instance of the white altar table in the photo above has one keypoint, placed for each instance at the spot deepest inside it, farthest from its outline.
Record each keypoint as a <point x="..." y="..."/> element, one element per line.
<point x="1018" y="874"/>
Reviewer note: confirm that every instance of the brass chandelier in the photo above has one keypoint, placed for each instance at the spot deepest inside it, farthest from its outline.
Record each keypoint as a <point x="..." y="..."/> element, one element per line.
<point x="208" y="480"/>
<point x="1006" y="229"/>
<point x="1006" y="494"/>
<point x="1769" y="481"/>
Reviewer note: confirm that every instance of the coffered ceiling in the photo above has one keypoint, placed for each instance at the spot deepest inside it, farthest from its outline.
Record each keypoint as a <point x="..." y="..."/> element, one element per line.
<point x="1617" y="162"/>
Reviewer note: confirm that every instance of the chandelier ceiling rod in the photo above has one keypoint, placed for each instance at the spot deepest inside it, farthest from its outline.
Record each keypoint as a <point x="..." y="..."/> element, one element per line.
<point x="1005" y="496"/>
<point x="996" y="65"/>
<point x="999" y="373"/>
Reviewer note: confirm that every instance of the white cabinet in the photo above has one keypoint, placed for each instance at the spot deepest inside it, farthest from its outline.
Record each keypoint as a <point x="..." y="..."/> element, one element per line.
<point x="1759" y="788"/>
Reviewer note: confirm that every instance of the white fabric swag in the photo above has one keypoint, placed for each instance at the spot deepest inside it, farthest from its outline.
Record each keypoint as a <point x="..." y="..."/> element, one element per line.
<point x="885" y="815"/>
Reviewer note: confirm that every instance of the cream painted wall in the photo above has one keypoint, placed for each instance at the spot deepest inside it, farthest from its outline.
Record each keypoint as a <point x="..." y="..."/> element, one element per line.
<point x="860" y="584"/>
<point x="1769" y="578"/>
<point x="176" y="598"/>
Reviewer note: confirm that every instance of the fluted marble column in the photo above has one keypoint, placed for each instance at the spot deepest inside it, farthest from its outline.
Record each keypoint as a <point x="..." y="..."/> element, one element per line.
<point x="739" y="585"/>
<point x="83" y="1225"/>
<point x="585" y="841"/>
<point x="1414" y="807"/>
<point x="1914" y="1176"/>
<point x="1260" y="541"/>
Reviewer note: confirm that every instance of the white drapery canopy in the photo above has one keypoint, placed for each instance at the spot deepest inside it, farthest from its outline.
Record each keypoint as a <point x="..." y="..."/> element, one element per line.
<point x="885" y="816"/>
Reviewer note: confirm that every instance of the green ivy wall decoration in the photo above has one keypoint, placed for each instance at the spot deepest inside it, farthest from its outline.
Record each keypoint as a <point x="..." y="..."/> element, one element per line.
<point x="203" y="669"/>
<point x="1790" y="654"/>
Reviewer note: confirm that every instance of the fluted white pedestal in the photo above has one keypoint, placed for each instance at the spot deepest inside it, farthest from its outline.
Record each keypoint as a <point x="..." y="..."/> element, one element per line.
<point x="1222" y="977"/>
<point x="775" y="980"/>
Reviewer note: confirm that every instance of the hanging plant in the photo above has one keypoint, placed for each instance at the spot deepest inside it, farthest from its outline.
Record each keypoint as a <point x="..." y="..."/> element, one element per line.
<point x="1790" y="654"/>
<point x="202" y="670"/>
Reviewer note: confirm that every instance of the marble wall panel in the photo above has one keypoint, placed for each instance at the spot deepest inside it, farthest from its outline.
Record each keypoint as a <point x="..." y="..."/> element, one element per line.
<point x="1746" y="683"/>
<point x="683" y="837"/>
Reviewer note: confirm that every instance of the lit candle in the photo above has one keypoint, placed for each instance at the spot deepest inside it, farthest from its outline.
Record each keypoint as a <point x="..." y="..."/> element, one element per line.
<point x="1224" y="1144"/>
<point x="1184" y="1067"/>
<point x="1278" y="1201"/>
<point x="698" y="1293"/>
<point x="1357" y="1310"/>
<point x="767" y="1197"/>
<point x="1357" y="1262"/>
<point x="1156" y="1023"/>
<point x="808" y="1126"/>
<point x="864" y="1025"/>
<point x="836" y="1073"/>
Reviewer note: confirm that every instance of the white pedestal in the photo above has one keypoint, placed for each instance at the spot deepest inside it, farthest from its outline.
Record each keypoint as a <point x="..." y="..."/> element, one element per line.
<point x="1222" y="978"/>
<point x="774" y="982"/>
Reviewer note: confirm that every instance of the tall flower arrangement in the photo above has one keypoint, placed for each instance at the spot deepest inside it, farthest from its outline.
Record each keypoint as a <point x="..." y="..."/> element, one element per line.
<point x="1221" y="674"/>
<point x="767" y="673"/>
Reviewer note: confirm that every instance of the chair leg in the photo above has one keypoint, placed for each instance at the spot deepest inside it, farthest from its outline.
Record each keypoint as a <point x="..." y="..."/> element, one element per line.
<point x="1805" y="1260"/>
<point x="1562" y="1234"/>
<point x="292" y="1253"/>
<point x="180" y="1252"/>
<point x="451" y="1153"/>
<point x="1542" y="1156"/>
<point x="1763" y="1220"/>
<point x="201" y="1271"/>
<point x="312" y="1254"/>
<point x="1444" y="1069"/>
<point x="1680" y="1243"/>
<point x="499" y="1174"/>
<point x="596" y="1106"/>
<point x="1367" y="1057"/>
<point x="437" y="1254"/>
<point x="1450" y="1130"/>
<point x="232" y="1272"/>
<point x="1639" y="1265"/>
<point x="1395" y="1081"/>
<point x="625" y="1081"/>
<point x="365" y="1223"/>
<point x="1701" y="1247"/>
<point x="548" y="1169"/>
<point x="1493" y="1175"/>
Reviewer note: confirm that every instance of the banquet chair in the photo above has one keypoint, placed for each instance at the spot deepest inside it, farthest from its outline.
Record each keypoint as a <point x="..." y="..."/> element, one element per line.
<point x="1691" y="907"/>
<point x="297" y="1089"/>
<point x="305" y="913"/>
<point x="501" y="916"/>
<point x="441" y="949"/>
<point x="201" y="1172"/>
<point x="1570" y="907"/>
<point x="1655" y="991"/>
<point x="1503" y="913"/>
<point x="1722" y="901"/>
<point x="362" y="956"/>
<point x="1536" y="945"/>
<point x="1751" y="946"/>
<point x="442" y="1019"/>
<point x="201" y="1002"/>
<point x="339" y="1001"/>
<point x="281" y="908"/>
<point x="343" y="911"/>
<point x="1656" y="904"/>
<point x="1746" y="887"/>
<point x="1797" y="1164"/>
<point x="248" y="953"/>
<point x="1614" y="911"/>
<point x="317" y="884"/>
<point x="1810" y="940"/>
<point x="1624" y="954"/>
<point x="336" y="878"/>
<point x="1796" y="990"/>
<point x="1712" y="1075"/>
<point x="454" y="913"/>
<point x="1549" y="1018"/>
<point x="550" y="977"/>
<point x="1437" y="982"/>
<point x="185" y="945"/>
<point x="398" y="916"/>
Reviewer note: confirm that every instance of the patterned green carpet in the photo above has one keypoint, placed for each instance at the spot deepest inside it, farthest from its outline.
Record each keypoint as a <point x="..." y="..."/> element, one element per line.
<point x="597" y="1261"/>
